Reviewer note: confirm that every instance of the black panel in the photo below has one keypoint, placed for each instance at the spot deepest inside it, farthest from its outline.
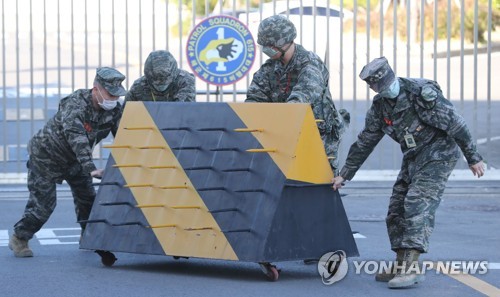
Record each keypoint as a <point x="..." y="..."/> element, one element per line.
<point x="114" y="234"/>
<point x="309" y="222"/>
<point x="211" y="142"/>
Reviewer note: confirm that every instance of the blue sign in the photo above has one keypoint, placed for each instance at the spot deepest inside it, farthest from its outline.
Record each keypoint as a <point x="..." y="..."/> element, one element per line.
<point x="220" y="50"/>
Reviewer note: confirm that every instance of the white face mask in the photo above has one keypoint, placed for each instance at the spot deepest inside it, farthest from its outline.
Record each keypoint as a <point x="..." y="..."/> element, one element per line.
<point x="106" y="103"/>
<point x="392" y="91"/>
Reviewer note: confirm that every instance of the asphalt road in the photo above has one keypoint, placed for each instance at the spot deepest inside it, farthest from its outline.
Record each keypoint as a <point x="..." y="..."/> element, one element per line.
<point x="466" y="229"/>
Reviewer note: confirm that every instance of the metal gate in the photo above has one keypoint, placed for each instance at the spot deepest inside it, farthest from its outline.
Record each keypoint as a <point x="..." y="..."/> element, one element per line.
<point x="50" y="48"/>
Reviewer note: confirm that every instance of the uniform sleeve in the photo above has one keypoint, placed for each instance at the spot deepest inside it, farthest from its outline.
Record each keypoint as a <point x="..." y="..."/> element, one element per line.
<point x="187" y="89"/>
<point x="73" y="119"/>
<point x="312" y="88"/>
<point x="437" y="111"/>
<point x="259" y="89"/>
<point x="367" y="140"/>
<point x="309" y="88"/>
<point x="130" y="96"/>
<point x="116" y="124"/>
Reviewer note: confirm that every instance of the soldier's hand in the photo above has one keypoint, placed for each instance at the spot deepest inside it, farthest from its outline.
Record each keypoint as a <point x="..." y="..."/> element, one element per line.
<point x="338" y="182"/>
<point x="97" y="173"/>
<point x="477" y="169"/>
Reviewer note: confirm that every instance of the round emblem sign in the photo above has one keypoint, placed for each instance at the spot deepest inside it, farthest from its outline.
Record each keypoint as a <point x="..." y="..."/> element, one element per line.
<point x="220" y="50"/>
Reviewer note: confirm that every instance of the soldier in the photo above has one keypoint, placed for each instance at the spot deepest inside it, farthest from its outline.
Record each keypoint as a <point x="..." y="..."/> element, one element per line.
<point x="295" y="75"/>
<point x="429" y="130"/>
<point x="62" y="150"/>
<point x="163" y="81"/>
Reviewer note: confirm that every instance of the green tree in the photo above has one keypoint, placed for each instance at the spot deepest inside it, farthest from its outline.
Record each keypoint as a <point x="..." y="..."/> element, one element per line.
<point x="201" y="5"/>
<point x="442" y="19"/>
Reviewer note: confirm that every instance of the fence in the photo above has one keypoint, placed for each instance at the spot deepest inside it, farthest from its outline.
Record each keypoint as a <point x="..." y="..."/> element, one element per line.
<point x="52" y="47"/>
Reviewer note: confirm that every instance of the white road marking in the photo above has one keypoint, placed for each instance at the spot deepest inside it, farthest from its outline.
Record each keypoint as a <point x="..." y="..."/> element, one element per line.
<point x="50" y="232"/>
<point x="48" y="236"/>
<point x="55" y="242"/>
<point x="4" y="237"/>
<point x="484" y="140"/>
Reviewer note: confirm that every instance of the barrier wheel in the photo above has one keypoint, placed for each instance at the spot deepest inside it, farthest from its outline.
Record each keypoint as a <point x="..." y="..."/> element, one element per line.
<point x="272" y="273"/>
<point x="107" y="258"/>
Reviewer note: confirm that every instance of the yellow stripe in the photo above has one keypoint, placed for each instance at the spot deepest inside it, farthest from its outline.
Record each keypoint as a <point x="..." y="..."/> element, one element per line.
<point x="186" y="207"/>
<point x="310" y="163"/>
<point x="163" y="226"/>
<point x="477" y="284"/>
<point x="472" y="282"/>
<point x="117" y="146"/>
<point x="126" y="165"/>
<point x="271" y="150"/>
<point x="139" y="128"/>
<point x="248" y="130"/>
<point x="138" y="185"/>
<point x="183" y="209"/>
<point x="292" y="134"/>
<point x="149" y="205"/>
<point x="162" y="167"/>
<point x="151" y="147"/>
<point x="172" y="187"/>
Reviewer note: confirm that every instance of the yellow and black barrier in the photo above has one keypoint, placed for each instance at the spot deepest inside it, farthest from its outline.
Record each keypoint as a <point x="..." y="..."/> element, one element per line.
<point x="233" y="181"/>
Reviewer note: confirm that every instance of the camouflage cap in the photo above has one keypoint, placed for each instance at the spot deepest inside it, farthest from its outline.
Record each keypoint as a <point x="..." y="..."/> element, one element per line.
<point x="160" y="70"/>
<point x="111" y="80"/>
<point x="276" y="31"/>
<point x="378" y="74"/>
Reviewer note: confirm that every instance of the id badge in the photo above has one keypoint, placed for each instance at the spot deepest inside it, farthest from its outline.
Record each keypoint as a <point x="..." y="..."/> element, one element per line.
<point x="410" y="141"/>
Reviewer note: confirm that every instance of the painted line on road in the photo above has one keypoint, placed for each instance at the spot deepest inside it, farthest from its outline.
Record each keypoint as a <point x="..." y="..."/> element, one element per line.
<point x="55" y="242"/>
<point x="493" y="266"/>
<point x="48" y="236"/>
<point x="4" y="237"/>
<point x="484" y="140"/>
<point x="476" y="284"/>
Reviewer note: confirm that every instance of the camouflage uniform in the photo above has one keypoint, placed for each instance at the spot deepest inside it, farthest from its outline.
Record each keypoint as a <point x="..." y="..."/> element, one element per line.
<point x="303" y="80"/>
<point x="162" y="81"/>
<point x="62" y="150"/>
<point x="419" y="110"/>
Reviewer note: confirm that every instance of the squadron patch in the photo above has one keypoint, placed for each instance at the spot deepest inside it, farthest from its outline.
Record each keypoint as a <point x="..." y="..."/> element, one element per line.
<point x="220" y="50"/>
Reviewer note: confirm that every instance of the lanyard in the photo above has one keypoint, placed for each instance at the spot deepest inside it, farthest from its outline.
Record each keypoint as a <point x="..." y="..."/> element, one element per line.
<point x="287" y="87"/>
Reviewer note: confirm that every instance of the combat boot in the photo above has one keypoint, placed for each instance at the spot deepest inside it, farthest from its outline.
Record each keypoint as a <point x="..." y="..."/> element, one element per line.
<point x="20" y="247"/>
<point x="385" y="276"/>
<point x="409" y="274"/>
